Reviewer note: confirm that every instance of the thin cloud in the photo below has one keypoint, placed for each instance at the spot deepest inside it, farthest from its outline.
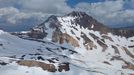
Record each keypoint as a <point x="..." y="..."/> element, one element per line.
<point x="46" y="6"/>
<point x="111" y="13"/>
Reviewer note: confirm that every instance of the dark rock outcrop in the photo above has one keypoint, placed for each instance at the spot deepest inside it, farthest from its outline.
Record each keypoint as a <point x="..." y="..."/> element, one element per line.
<point x="60" y="37"/>
<point x="116" y="49"/>
<point x="123" y="32"/>
<point x="103" y="45"/>
<point x="86" y="21"/>
<point x="36" y="34"/>
<point x="63" y="66"/>
<point x="32" y="63"/>
<point x="87" y="42"/>
<point x="44" y="66"/>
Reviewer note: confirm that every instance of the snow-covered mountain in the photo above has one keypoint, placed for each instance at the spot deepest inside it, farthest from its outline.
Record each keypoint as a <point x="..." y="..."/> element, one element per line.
<point x="68" y="45"/>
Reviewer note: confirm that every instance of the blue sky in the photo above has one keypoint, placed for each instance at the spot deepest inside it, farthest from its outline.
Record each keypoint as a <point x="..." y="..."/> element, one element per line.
<point x="17" y="15"/>
<point x="72" y="3"/>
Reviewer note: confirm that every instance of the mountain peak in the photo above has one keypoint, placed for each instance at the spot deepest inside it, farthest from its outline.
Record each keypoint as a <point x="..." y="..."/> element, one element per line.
<point x="52" y="17"/>
<point x="77" y="13"/>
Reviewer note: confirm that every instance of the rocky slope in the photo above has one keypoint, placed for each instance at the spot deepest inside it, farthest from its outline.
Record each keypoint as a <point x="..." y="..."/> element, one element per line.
<point x="75" y="43"/>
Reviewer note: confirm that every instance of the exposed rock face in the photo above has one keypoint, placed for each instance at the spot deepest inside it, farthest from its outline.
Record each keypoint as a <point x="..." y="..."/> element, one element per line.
<point x="116" y="49"/>
<point x="44" y="66"/>
<point x="88" y="43"/>
<point x="70" y="40"/>
<point x="53" y="22"/>
<point x="129" y="67"/>
<point x="63" y="66"/>
<point x="36" y="34"/>
<point x="107" y="37"/>
<point x="123" y="32"/>
<point x="94" y="36"/>
<point x="106" y="62"/>
<point x="103" y="45"/>
<point x="87" y="21"/>
<point x="132" y="46"/>
<point x="57" y="36"/>
<point x="3" y="63"/>
<point x="60" y="37"/>
<point x="128" y="53"/>
<point x="31" y="63"/>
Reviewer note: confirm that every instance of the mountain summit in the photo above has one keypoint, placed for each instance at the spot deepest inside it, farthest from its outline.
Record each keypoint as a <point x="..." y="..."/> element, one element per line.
<point x="86" y="21"/>
<point x="77" y="14"/>
<point x="81" y="19"/>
